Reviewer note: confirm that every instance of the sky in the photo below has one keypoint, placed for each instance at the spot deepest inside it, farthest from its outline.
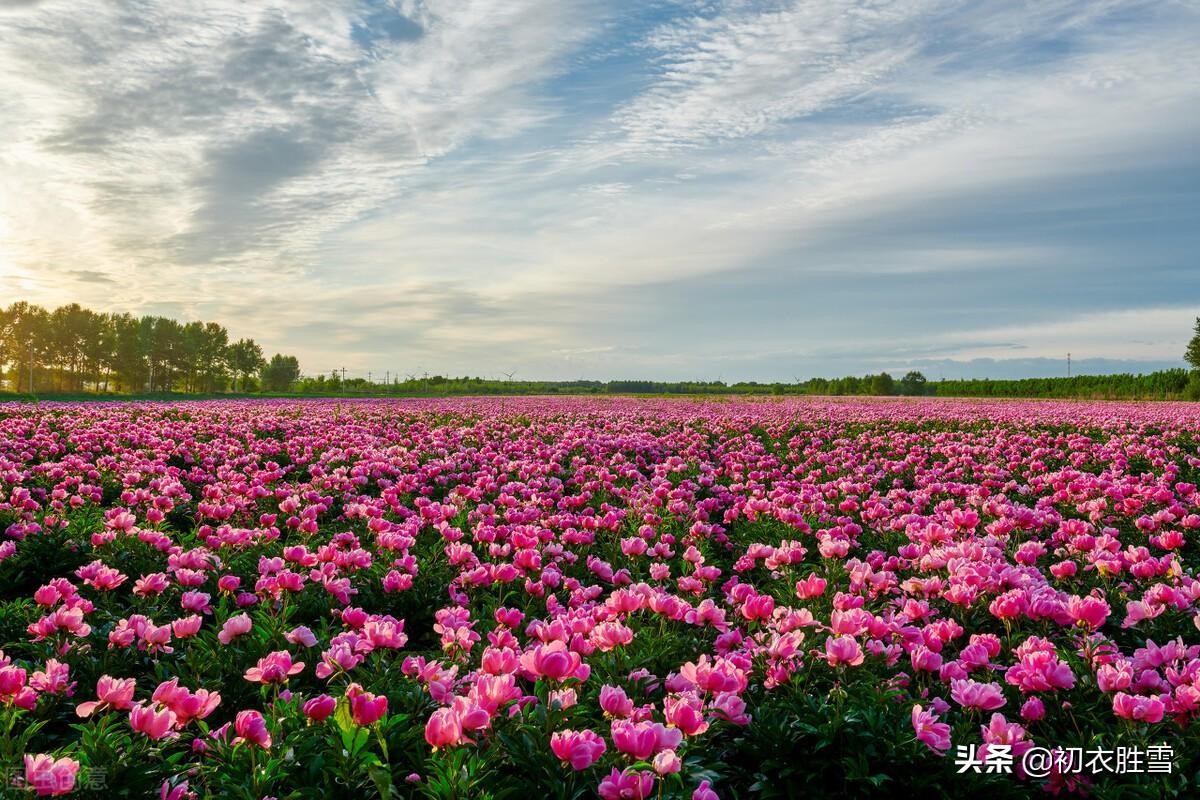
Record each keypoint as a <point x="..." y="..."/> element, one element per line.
<point x="673" y="189"/>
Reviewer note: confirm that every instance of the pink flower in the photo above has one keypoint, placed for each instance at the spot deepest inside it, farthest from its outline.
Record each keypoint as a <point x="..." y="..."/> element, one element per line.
<point x="234" y="627"/>
<point x="580" y="749"/>
<point x="608" y="636"/>
<point x="153" y="721"/>
<point x="179" y="791"/>
<point x="1088" y="612"/>
<point x="643" y="739"/>
<point x="365" y="708"/>
<point x="338" y="658"/>
<point x="615" y="702"/>
<point x="113" y="693"/>
<point x="1033" y="709"/>
<point x="935" y="735"/>
<point x="187" y="627"/>
<point x="843" y="650"/>
<point x="685" y="712"/>
<point x="1136" y="707"/>
<point x="1040" y="671"/>
<point x="186" y="704"/>
<point x="320" y="707"/>
<point x="196" y="601"/>
<point x="50" y="777"/>
<point x="275" y="667"/>
<point x="925" y="660"/>
<point x="444" y="729"/>
<point x="705" y="792"/>
<point x="667" y="762"/>
<point x="555" y="662"/>
<point x="251" y="727"/>
<point x="302" y="636"/>
<point x="626" y="785"/>
<point x="54" y="679"/>
<point x="974" y="695"/>
<point x="810" y="587"/>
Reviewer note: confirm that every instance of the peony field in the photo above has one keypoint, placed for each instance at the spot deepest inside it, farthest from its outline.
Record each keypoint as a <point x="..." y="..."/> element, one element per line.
<point x="619" y="598"/>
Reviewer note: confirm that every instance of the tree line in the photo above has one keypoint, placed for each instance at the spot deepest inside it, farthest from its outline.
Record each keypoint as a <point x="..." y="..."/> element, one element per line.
<point x="76" y="350"/>
<point x="73" y="349"/>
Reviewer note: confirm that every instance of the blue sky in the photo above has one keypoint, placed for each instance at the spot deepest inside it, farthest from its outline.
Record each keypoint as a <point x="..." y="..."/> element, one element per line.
<point x="671" y="188"/>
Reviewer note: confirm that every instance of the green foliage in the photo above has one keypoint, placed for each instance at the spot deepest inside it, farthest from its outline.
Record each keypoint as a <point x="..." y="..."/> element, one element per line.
<point x="280" y="373"/>
<point x="1192" y="355"/>
<point x="73" y="350"/>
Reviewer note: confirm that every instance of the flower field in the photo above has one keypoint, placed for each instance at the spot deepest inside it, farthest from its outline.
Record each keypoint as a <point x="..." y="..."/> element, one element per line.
<point x="569" y="598"/>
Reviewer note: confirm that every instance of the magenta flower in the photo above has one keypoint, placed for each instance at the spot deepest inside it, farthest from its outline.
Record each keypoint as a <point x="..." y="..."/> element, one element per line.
<point x="443" y="729"/>
<point x="1135" y="707"/>
<point x="252" y="728"/>
<point x="630" y="785"/>
<point x="365" y="708"/>
<point x="319" y="708"/>
<point x="580" y="749"/>
<point x="275" y="667"/>
<point x="933" y="734"/>
<point x="50" y="777"/>
<point x="111" y="693"/>
<point x="976" y="696"/>
<point x="234" y="627"/>
<point x="843" y="650"/>
<point x="153" y="721"/>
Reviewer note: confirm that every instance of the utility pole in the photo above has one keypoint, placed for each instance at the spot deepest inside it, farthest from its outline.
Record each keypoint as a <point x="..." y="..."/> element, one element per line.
<point x="343" y="380"/>
<point x="1068" y="365"/>
<point x="31" y="367"/>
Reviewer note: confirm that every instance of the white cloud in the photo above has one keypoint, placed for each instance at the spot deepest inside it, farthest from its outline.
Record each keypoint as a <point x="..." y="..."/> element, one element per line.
<point x="509" y="180"/>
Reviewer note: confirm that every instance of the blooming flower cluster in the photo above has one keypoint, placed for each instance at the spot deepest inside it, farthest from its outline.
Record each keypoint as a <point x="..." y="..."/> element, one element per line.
<point x="629" y="598"/>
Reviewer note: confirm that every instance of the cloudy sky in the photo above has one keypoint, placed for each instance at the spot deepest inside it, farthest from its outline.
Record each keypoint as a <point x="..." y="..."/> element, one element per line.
<point x="633" y="188"/>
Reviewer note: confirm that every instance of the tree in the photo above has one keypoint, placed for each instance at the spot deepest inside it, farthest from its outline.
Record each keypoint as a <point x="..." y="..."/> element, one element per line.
<point x="280" y="373"/>
<point x="245" y="359"/>
<point x="882" y="384"/>
<point x="913" y="383"/>
<point x="1192" y="355"/>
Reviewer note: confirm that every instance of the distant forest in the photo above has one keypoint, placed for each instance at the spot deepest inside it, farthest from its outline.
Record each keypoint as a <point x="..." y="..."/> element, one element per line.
<point x="74" y="351"/>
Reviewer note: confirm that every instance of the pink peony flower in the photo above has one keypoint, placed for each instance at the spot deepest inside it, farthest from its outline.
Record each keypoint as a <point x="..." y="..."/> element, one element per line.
<point x="1136" y="707"/>
<point x="444" y="729"/>
<point x="933" y="734"/>
<point x="275" y="667"/>
<point x="978" y="696"/>
<point x="320" y="707"/>
<point x="153" y="721"/>
<point x="50" y="777"/>
<point x="112" y="693"/>
<point x="365" y="708"/>
<point x="251" y="727"/>
<point x="843" y="650"/>
<point x="234" y="627"/>
<point x="615" y="702"/>
<point x="630" y="785"/>
<point x="580" y="749"/>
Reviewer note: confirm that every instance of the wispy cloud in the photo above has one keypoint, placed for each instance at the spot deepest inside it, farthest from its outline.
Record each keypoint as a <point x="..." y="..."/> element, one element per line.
<point x="564" y="185"/>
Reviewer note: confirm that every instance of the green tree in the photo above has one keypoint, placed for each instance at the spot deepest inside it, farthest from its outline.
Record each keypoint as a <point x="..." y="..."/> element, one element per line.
<point x="882" y="384"/>
<point x="280" y="373"/>
<point x="1192" y="355"/>
<point x="26" y="345"/>
<point x="913" y="383"/>
<point x="245" y="358"/>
